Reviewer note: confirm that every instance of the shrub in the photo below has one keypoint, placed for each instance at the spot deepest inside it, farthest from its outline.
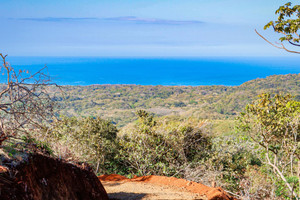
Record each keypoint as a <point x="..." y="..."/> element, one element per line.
<point x="92" y="140"/>
<point x="272" y="123"/>
<point x="162" y="146"/>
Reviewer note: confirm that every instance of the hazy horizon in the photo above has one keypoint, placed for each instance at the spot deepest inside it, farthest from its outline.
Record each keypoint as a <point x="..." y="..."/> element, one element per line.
<point x="152" y="28"/>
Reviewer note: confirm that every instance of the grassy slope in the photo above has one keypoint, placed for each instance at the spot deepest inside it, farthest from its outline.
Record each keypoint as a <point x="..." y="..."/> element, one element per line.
<point x="119" y="102"/>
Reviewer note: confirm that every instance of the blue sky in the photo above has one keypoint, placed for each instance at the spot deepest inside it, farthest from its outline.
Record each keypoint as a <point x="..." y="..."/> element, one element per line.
<point x="137" y="28"/>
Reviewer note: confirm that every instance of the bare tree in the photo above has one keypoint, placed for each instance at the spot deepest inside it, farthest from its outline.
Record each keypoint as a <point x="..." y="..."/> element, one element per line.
<point x="25" y="104"/>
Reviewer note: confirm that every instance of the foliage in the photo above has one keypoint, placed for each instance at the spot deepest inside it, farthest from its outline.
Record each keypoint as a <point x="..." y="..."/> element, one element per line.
<point x="33" y="145"/>
<point x="113" y="102"/>
<point x="273" y="123"/>
<point x="149" y="146"/>
<point x="228" y="163"/>
<point x="162" y="146"/>
<point x="287" y="24"/>
<point x="91" y="139"/>
<point x="257" y="184"/>
<point x="172" y="146"/>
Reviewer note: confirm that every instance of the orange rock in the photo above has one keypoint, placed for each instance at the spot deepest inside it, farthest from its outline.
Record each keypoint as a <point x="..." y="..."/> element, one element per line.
<point x="3" y="169"/>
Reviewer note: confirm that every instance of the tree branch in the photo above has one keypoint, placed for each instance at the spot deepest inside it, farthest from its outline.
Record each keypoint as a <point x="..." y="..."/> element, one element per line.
<point x="279" y="47"/>
<point x="281" y="175"/>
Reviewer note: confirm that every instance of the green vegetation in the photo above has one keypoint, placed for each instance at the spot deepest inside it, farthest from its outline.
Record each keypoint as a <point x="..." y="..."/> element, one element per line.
<point x="257" y="160"/>
<point x="91" y="139"/>
<point x="185" y="148"/>
<point x="287" y="25"/>
<point x="199" y="120"/>
<point x="118" y="103"/>
<point x="186" y="132"/>
<point x="162" y="146"/>
<point x="273" y="123"/>
<point x="246" y="143"/>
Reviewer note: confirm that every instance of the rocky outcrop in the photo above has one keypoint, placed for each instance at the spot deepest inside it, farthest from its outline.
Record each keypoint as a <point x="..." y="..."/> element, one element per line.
<point x="42" y="177"/>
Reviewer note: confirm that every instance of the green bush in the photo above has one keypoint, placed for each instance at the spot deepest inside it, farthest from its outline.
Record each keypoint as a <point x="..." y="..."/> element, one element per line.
<point x="272" y="123"/>
<point x="90" y="139"/>
<point x="162" y="146"/>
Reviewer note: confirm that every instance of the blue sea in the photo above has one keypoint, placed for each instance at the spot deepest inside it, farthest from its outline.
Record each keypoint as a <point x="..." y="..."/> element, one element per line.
<point x="158" y="71"/>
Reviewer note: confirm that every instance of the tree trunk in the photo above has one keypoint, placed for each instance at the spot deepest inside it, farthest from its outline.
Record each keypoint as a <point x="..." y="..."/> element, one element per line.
<point x="97" y="169"/>
<point x="282" y="176"/>
<point x="299" y="176"/>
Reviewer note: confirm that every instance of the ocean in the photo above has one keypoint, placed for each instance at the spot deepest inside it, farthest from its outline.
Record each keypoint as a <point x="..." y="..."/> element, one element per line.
<point x="158" y="71"/>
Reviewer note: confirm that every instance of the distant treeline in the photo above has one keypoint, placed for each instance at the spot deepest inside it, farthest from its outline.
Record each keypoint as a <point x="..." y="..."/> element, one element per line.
<point x="118" y="103"/>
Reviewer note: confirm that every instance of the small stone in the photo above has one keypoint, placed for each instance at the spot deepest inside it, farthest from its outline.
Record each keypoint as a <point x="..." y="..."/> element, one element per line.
<point x="3" y="169"/>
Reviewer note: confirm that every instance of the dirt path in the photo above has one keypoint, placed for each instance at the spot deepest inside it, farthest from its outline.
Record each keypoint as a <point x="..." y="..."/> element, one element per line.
<point x="158" y="187"/>
<point x="142" y="191"/>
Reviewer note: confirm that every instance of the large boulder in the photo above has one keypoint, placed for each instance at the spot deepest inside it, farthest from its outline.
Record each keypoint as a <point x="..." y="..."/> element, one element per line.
<point x="43" y="177"/>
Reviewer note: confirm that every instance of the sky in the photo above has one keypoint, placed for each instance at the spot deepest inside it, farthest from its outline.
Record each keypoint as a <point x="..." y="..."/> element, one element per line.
<point x="137" y="28"/>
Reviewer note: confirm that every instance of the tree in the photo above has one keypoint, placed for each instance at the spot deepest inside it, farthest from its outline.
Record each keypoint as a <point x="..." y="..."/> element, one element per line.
<point x="287" y="24"/>
<point x="92" y="139"/>
<point x="25" y="104"/>
<point x="273" y="123"/>
<point x="144" y="151"/>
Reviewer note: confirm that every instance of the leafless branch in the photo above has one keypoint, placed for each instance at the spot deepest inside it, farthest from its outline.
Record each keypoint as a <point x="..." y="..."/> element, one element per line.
<point x="280" y="174"/>
<point x="25" y="103"/>
<point x="281" y="46"/>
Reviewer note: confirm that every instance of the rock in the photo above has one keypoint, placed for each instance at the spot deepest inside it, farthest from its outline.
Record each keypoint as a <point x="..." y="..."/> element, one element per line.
<point x="43" y="177"/>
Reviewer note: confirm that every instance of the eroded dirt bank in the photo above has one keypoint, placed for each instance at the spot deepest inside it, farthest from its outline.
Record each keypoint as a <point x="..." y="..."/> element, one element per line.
<point x="159" y="187"/>
<point x="42" y="177"/>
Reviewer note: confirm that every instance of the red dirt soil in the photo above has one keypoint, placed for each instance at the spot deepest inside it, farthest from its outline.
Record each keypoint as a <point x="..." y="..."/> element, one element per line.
<point x="42" y="177"/>
<point x="190" y="186"/>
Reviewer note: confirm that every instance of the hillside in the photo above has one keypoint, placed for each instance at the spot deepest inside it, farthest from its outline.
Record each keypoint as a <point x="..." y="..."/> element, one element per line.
<point x="119" y="102"/>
